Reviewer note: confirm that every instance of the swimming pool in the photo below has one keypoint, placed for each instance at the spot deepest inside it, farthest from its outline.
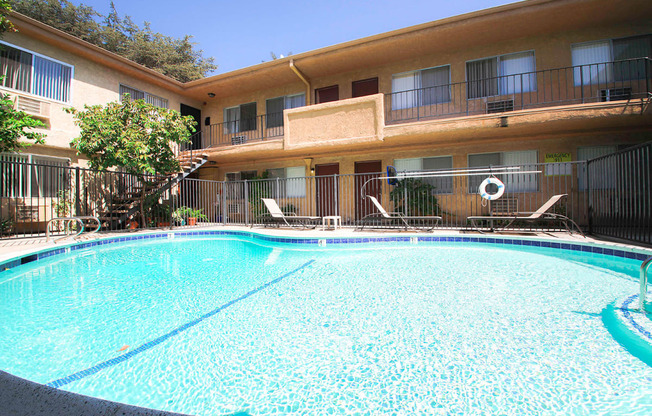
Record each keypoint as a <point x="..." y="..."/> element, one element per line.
<point x="224" y="324"/>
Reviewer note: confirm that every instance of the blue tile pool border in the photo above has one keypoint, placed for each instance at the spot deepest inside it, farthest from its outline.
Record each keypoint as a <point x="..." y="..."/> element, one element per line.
<point x="585" y="248"/>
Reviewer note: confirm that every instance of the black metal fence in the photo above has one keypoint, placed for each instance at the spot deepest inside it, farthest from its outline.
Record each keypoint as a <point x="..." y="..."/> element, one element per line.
<point x="34" y="194"/>
<point x="620" y="195"/>
<point x="454" y="197"/>
<point x="601" y="82"/>
<point x="609" y="196"/>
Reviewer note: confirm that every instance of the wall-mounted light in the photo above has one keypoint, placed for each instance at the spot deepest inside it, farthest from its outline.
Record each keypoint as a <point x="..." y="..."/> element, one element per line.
<point x="312" y="172"/>
<point x="211" y="94"/>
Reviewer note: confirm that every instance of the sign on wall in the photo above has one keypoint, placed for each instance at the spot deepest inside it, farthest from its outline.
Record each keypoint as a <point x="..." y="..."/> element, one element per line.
<point x="558" y="164"/>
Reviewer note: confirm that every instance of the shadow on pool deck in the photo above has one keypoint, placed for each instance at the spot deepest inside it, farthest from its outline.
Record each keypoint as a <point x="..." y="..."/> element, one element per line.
<point x="20" y="397"/>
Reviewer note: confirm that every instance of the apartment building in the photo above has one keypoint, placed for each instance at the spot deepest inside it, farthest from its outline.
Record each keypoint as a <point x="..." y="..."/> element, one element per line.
<point x="529" y="82"/>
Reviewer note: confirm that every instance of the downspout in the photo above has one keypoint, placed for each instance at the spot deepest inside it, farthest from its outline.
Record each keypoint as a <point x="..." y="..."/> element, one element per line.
<point x="305" y="81"/>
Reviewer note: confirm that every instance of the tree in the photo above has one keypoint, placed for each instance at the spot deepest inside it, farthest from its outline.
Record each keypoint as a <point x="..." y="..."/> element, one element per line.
<point x="173" y="57"/>
<point x="5" y="24"/>
<point x="131" y="134"/>
<point x="13" y="122"/>
<point x="12" y="127"/>
<point x="414" y="197"/>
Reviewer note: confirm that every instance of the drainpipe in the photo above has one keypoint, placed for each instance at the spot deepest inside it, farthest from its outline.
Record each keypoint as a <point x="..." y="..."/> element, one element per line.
<point x="305" y="81"/>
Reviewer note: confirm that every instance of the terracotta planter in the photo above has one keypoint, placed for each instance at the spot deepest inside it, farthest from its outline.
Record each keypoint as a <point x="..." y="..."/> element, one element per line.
<point x="163" y="224"/>
<point x="133" y="225"/>
<point x="192" y="221"/>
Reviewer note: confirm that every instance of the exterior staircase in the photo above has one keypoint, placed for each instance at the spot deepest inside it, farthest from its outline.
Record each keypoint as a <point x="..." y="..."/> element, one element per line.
<point x="122" y="207"/>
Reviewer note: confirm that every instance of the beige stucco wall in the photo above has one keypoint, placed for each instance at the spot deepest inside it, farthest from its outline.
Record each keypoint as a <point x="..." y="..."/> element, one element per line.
<point x="551" y="51"/>
<point x="354" y="121"/>
<point x="92" y="84"/>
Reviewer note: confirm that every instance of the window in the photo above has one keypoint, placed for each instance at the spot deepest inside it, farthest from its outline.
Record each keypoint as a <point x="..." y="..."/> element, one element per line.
<point x="591" y="152"/>
<point x="501" y="75"/>
<point x="327" y="94"/>
<point x="527" y="160"/>
<point x="241" y="176"/>
<point x="423" y="87"/>
<point x="291" y="184"/>
<point x="443" y="185"/>
<point x="593" y="60"/>
<point x="240" y="118"/>
<point x="275" y="106"/>
<point x="142" y="95"/>
<point x="237" y="190"/>
<point x="27" y="175"/>
<point x="35" y="74"/>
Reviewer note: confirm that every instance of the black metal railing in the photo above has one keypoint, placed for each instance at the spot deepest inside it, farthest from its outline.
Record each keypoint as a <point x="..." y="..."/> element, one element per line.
<point x="608" y="196"/>
<point x="601" y="82"/>
<point x="237" y="132"/>
<point x="620" y="194"/>
<point x="32" y="194"/>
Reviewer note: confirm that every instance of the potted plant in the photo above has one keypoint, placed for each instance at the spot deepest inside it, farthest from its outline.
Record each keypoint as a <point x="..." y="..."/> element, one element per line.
<point x="188" y="216"/>
<point x="196" y="214"/>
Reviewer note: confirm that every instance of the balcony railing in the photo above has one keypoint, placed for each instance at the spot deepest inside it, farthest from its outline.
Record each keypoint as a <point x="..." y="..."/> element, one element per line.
<point x="602" y="82"/>
<point x="236" y="132"/>
<point x="608" y="81"/>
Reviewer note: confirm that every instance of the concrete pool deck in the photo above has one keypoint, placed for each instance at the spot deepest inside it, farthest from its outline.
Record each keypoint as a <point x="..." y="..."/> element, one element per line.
<point x="22" y="397"/>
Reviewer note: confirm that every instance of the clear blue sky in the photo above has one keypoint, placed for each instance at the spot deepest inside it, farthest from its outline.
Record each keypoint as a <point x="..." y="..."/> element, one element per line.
<point x="243" y="33"/>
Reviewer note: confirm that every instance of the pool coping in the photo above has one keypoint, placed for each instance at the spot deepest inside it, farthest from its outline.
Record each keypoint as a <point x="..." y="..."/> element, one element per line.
<point x="22" y="397"/>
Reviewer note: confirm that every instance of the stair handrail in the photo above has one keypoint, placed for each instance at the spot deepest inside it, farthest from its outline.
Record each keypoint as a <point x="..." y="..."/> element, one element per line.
<point x="643" y="283"/>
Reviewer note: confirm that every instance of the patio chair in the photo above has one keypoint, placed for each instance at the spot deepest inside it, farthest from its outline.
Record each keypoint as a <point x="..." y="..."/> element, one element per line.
<point x="540" y="214"/>
<point x="397" y="217"/>
<point x="278" y="217"/>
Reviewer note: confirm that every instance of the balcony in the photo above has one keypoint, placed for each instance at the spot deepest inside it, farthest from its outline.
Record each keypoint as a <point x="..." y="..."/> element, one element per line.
<point x="356" y="122"/>
<point x="603" y="82"/>
<point x="238" y="132"/>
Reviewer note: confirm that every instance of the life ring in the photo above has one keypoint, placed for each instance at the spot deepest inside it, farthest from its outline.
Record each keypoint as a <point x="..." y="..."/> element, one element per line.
<point x="482" y="190"/>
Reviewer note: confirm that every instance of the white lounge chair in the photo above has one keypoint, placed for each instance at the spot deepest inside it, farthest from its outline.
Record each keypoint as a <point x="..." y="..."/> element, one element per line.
<point x="540" y="214"/>
<point x="397" y="217"/>
<point x="277" y="216"/>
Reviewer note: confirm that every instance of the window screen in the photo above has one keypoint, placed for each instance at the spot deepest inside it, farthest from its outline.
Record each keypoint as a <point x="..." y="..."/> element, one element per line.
<point x="25" y="71"/>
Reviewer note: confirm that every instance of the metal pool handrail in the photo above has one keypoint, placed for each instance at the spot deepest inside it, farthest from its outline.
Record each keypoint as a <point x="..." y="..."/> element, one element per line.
<point x="643" y="283"/>
<point x="68" y="220"/>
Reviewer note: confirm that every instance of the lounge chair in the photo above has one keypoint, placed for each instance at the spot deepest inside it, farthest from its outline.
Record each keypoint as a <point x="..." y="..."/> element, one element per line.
<point x="540" y="214"/>
<point x="397" y="217"/>
<point x="277" y="216"/>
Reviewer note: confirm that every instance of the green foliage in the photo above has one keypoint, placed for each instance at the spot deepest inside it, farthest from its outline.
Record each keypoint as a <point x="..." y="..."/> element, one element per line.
<point x="6" y="225"/>
<point x="420" y="198"/>
<point x="5" y="24"/>
<point x="289" y="209"/>
<point x="173" y="57"/>
<point x="132" y="134"/>
<point x="181" y="214"/>
<point x="63" y="206"/>
<point x="13" y="125"/>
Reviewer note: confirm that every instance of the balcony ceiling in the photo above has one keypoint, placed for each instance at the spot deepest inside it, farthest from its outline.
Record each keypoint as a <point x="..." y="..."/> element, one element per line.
<point x="499" y="24"/>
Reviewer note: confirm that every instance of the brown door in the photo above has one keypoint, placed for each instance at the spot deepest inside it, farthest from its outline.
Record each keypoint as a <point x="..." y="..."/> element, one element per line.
<point x="326" y="94"/>
<point x="364" y="171"/>
<point x="365" y="87"/>
<point x="327" y="188"/>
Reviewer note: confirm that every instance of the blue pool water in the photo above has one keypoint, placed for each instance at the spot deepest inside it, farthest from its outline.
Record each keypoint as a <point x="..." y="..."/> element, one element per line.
<point x="233" y="325"/>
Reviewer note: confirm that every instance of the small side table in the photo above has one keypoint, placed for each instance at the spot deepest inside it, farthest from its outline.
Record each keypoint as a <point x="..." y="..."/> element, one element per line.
<point x="335" y="220"/>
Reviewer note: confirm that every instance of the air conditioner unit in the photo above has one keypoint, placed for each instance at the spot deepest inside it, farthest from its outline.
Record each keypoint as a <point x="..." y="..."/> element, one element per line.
<point x="500" y="106"/>
<point x="238" y="140"/>
<point x="616" y="94"/>
<point x="233" y="209"/>
<point x="33" y="106"/>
